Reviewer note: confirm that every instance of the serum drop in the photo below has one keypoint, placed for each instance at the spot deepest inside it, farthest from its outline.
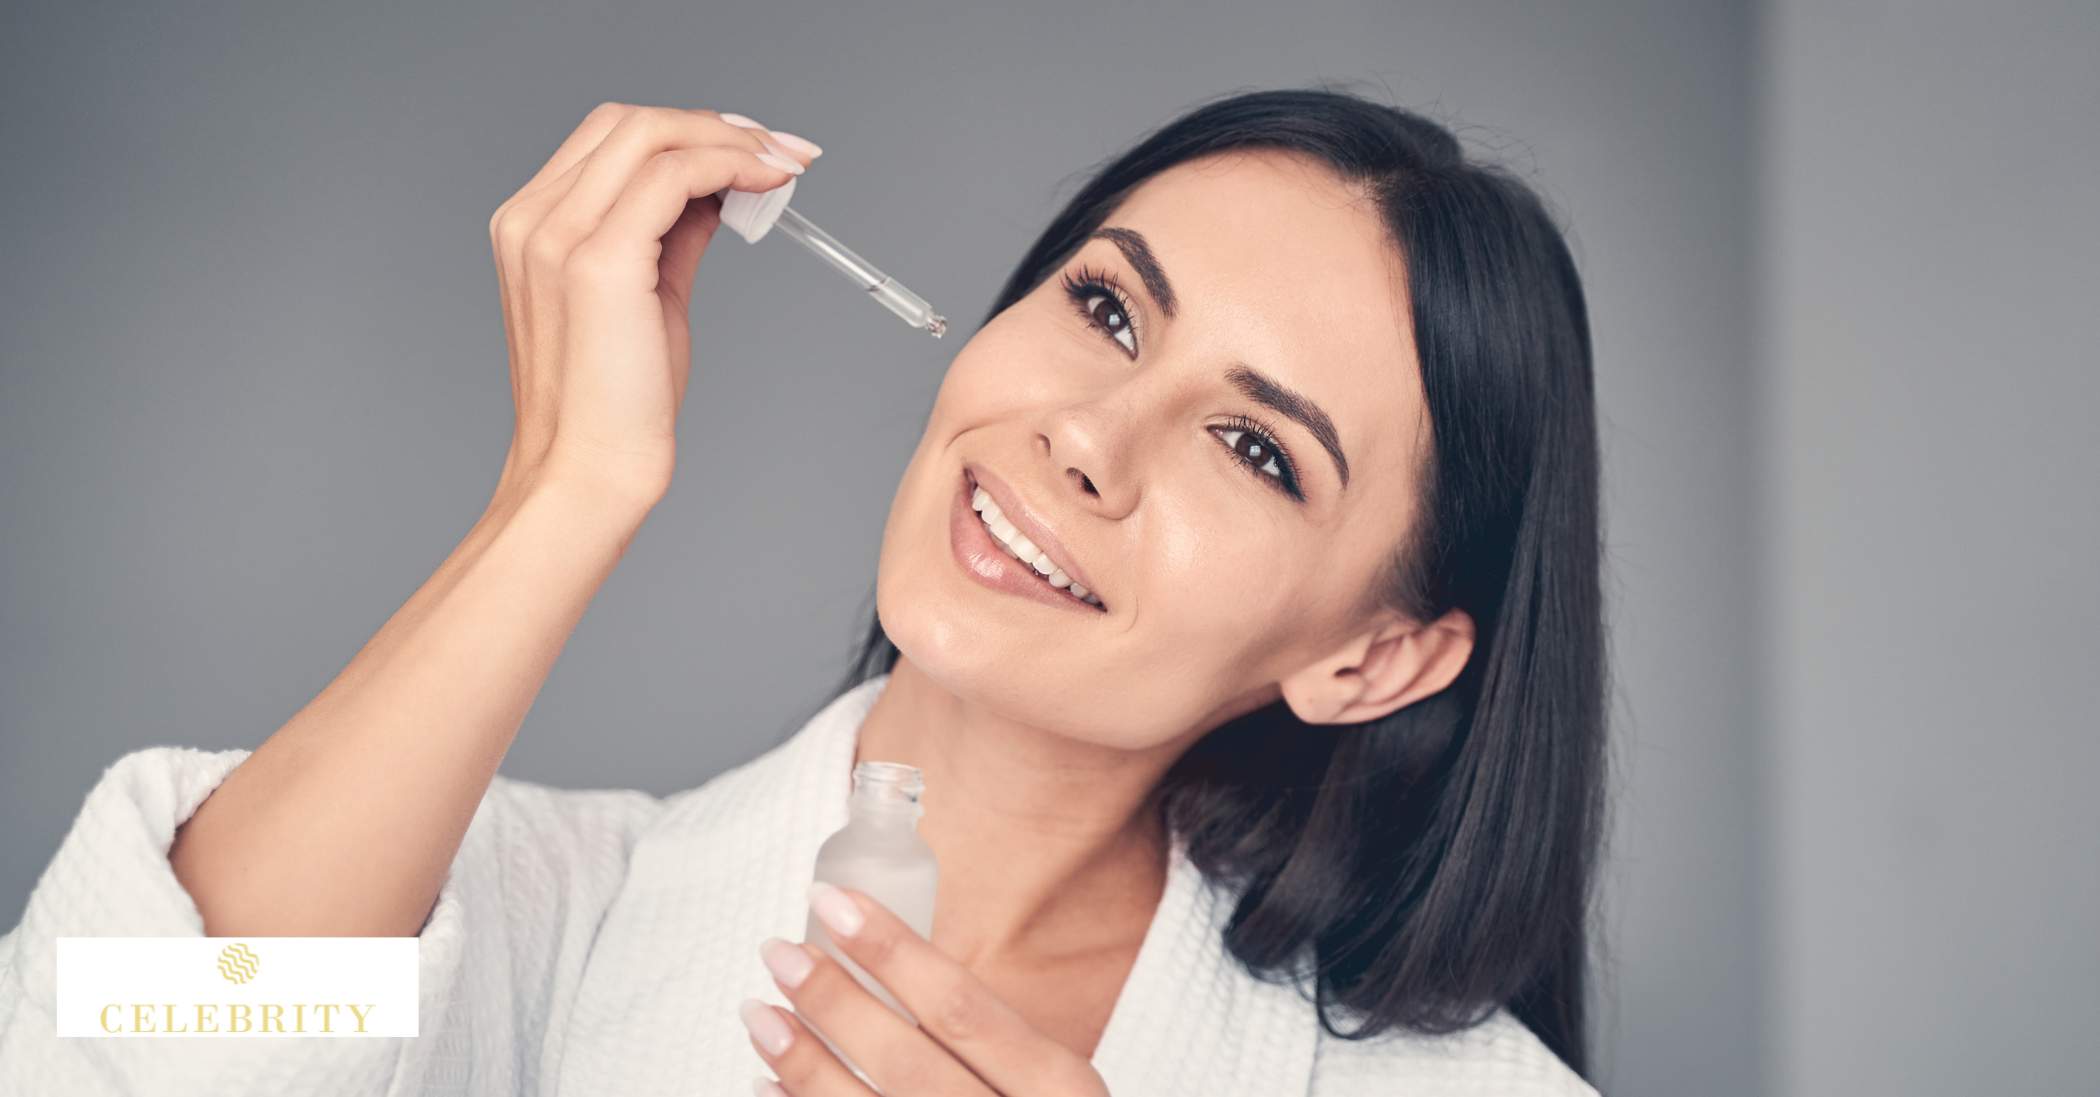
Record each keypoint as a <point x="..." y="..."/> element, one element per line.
<point x="879" y="852"/>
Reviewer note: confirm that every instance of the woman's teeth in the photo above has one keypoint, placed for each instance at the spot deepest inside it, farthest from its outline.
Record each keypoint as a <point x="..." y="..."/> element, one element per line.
<point x="1024" y="550"/>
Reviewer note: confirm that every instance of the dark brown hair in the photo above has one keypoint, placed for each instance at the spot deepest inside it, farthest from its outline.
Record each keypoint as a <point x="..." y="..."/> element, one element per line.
<point x="1438" y="861"/>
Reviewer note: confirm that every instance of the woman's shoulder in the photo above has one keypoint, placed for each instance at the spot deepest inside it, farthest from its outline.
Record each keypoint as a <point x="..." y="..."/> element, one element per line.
<point x="1498" y="1056"/>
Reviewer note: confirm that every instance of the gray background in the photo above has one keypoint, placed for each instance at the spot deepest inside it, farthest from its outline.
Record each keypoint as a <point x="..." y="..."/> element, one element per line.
<point x="1839" y="259"/>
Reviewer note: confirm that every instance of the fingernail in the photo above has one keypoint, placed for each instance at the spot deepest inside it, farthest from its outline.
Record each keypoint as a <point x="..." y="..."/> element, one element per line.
<point x="835" y="908"/>
<point x="803" y="145"/>
<point x="766" y="1026"/>
<point x="766" y="1087"/>
<point x="781" y="162"/>
<point x="738" y="120"/>
<point x="788" y="964"/>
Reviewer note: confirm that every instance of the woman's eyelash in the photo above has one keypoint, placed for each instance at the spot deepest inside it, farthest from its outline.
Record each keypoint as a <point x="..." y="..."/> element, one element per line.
<point x="1088" y="287"/>
<point x="1285" y="479"/>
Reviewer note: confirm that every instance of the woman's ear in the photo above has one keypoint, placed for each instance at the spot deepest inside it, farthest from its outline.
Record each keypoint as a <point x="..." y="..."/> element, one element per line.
<point x="1382" y="669"/>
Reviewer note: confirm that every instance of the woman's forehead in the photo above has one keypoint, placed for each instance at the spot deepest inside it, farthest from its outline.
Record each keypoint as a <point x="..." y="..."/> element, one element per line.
<point x="1279" y="233"/>
<point x="1270" y="204"/>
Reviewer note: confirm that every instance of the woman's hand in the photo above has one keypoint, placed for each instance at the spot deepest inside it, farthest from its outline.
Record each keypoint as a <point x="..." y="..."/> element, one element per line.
<point x="595" y="257"/>
<point x="968" y="1043"/>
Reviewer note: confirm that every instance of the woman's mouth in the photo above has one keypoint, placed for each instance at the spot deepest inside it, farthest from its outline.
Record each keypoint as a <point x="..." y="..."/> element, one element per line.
<point x="989" y="548"/>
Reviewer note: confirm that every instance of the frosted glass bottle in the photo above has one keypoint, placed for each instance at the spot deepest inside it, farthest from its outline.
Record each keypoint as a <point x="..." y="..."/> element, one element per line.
<point x="879" y="852"/>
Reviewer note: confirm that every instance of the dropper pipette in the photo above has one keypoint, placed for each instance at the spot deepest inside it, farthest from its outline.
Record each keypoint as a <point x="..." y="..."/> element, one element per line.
<point x="884" y="288"/>
<point x="753" y="213"/>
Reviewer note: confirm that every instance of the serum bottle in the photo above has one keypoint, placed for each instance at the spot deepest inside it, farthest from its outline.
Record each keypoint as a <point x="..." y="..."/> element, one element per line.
<point x="879" y="852"/>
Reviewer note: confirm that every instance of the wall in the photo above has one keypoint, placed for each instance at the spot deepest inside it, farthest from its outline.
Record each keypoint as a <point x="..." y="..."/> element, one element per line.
<point x="1929" y="527"/>
<point x="253" y="390"/>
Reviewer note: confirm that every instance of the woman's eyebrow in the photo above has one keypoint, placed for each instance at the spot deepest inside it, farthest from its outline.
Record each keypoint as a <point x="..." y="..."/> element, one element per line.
<point x="1254" y="384"/>
<point x="1132" y="244"/>
<point x="1263" y="389"/>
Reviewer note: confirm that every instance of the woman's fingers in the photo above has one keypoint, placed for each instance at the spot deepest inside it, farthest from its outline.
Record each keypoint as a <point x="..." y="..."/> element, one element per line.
<point x="805" y="1068"/>
<point x="595" y="259"/>
<point x="581" y="140"/>
<point x="641" y="134"/>
<point x="895" y="1053"/>
<point x="626" y="346"/>
<point x="621" y="254"/>
<point x="964" y="1020"/>
<point x="689" y="237"/>
<point x="802" y="148"/>
<point x="682" y="247"/>
<point x="895" y="1056"/>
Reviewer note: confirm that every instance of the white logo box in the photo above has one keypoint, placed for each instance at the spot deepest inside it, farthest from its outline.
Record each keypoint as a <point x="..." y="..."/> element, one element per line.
<point x="143" y="987"/>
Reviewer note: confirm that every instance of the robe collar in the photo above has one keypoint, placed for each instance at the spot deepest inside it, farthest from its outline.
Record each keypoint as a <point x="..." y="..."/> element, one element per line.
<point x="1189" y="1021"/>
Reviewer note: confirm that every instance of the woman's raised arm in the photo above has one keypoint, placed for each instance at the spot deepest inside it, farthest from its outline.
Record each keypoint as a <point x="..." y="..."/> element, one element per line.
<point x="345" y="820"/>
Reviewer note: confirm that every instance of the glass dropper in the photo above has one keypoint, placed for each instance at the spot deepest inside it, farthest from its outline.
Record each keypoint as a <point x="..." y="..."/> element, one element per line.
<point x="753" y="214"/>
<point x="890" y="292"/>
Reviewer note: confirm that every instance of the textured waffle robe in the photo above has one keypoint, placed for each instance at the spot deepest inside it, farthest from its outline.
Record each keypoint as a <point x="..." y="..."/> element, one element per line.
<point x="598" y="941"/>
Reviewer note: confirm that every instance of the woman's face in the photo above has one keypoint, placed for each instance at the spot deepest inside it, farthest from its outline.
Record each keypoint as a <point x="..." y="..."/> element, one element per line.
<point x="1228" y="552"/>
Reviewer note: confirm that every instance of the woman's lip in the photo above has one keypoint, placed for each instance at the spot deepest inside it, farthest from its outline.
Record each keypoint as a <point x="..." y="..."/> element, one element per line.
<point x="991" y="565"/>
<point x="1029" y="525"/>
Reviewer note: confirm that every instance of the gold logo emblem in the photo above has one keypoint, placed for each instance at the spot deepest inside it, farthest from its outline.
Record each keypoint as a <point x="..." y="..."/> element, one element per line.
<point x="238" y="963"/>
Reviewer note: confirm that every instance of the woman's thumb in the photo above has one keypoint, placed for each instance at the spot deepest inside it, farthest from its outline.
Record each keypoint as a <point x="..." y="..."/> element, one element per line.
<point x="684" y="243"/>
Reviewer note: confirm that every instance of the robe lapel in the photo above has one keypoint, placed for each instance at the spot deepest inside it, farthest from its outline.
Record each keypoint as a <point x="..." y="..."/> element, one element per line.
<point x="1190" y="1021"/>
<point x="729" y="864"/>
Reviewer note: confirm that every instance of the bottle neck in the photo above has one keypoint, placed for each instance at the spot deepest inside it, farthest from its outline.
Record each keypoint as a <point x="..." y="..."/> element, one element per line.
<point x="879" y="813"/>
<point x="886" y="794"/>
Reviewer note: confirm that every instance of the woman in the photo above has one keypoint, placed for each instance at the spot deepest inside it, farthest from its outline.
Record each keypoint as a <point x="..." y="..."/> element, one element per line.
<point x="1303" y="797"/>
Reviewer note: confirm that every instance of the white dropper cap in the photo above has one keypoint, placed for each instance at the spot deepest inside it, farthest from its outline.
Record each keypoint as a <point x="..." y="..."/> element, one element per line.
<point x="752" y="213"/>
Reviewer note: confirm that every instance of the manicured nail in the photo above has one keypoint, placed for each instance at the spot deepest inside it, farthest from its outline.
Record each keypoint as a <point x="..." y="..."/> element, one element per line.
<point x="788" y="963"/>
<point x="776" y="148"/>
<point x="835" y="908"/>
<point x="803" y="145"/>
<point x="765" y="1087"/>
<point x="766" y="1026"/>
<point x="738" y="120"/>
<point x="781" y="162"/>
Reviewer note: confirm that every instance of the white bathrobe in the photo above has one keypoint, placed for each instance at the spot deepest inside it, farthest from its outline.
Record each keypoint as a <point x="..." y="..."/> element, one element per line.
<point x="593" y="942"/>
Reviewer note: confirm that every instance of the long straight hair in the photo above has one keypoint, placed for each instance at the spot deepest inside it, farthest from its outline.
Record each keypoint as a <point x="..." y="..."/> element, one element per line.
<point x="1438" y="862"/>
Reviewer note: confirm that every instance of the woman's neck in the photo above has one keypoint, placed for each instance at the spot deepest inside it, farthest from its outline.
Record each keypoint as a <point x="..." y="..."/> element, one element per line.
<point x="1047" y="844"/>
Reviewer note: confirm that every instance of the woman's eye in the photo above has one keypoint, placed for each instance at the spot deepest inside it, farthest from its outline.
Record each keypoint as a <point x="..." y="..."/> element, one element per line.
<point x="1261" y="456"/>
<point x="1100" y="302"/>
<point x="1115" y="324"/>
<point x="1254" y="452"/>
